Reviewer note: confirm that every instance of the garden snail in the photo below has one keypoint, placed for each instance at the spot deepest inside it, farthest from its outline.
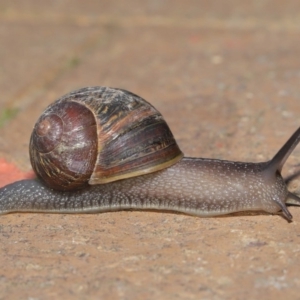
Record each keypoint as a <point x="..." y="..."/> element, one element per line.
<point x="124" y="156"/>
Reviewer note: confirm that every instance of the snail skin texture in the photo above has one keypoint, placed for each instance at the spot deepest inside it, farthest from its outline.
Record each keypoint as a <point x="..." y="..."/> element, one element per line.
<point x="103" y="149"/>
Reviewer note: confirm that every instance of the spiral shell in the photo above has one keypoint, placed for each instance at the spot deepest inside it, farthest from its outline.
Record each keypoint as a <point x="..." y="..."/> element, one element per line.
<point x="97" y="135"/>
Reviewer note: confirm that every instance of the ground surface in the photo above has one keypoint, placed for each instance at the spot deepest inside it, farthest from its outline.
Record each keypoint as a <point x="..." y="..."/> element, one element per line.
<point x="225" y="74"/>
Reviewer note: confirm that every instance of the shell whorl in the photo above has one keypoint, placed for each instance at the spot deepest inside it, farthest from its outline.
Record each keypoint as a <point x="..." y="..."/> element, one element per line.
<point x="100" y="135"/>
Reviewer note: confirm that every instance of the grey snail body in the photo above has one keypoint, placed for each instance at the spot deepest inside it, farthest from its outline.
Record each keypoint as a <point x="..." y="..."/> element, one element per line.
<point x="196" y="186"/>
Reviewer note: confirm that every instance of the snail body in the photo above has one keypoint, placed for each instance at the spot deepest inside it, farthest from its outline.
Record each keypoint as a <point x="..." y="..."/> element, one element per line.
<point x="199" y="190"/>
<point x="135" y="164"/>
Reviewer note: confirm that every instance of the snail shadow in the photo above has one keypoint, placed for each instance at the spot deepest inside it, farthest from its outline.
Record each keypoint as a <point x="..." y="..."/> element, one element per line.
<point x="229" y="215"/>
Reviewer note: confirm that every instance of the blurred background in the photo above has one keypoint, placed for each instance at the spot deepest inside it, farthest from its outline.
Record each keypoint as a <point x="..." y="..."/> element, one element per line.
<point x="207" y="60"/>
<point x="225" y="75"/>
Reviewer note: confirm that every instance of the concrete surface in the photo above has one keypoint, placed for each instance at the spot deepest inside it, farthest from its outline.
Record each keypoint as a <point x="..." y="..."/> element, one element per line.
<point x="225" y="74"/>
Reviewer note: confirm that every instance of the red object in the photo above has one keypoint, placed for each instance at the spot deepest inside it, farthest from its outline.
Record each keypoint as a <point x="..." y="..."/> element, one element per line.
<point x="10" y="173"/>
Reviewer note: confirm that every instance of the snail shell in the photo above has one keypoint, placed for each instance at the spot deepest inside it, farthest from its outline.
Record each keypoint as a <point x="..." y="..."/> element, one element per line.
<point x="98" y="135"/>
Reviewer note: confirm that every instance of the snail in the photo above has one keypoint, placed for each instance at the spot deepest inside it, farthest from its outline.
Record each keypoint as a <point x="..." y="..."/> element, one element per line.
<point x="104" y="149"/>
